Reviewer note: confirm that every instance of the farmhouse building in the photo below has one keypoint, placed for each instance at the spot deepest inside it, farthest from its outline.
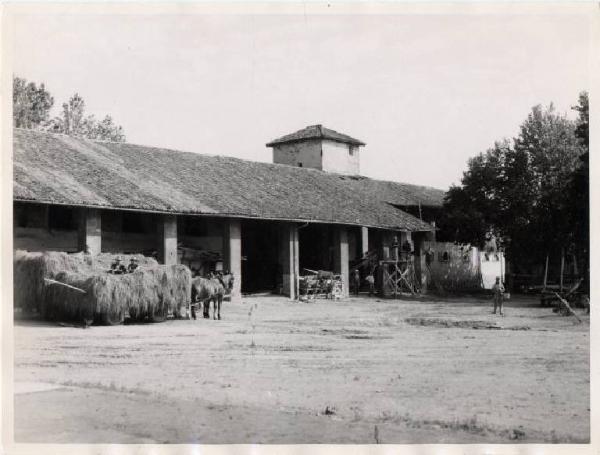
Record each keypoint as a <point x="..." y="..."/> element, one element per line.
<point x="265" y="222"/>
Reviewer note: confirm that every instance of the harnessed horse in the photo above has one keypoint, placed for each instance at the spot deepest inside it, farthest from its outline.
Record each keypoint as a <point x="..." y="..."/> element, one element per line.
<point x="213" y="289"/>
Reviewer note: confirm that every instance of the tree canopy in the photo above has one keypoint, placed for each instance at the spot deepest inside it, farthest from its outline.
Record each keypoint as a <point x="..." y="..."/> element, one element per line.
<point x="74" y="122"/>
<point x="31" y="109"/>
<point x="31" y="104"/>
<point x="531" y="192"/>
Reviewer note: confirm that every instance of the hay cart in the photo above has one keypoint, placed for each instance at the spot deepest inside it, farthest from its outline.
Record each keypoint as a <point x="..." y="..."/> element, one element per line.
<point x="320" y="284"/>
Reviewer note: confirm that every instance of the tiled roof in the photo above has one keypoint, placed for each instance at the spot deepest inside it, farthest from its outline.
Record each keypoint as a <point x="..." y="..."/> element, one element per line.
<point x="315" y="132"/>
<point x="58" y="169"/>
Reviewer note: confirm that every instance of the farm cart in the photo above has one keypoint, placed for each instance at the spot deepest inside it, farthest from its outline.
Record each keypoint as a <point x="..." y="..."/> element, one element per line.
<point x="320" y="284"/>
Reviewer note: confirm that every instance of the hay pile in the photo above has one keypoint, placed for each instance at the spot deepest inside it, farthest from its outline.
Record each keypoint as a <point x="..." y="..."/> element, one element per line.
<point x="149" y="294"/>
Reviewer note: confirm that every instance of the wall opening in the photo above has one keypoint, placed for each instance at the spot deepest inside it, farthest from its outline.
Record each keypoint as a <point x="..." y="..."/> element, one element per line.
<point x="316" y="247"/>
<point x="62" y="218"/>
<point x="200" y="243"/>
<point x="28" y="215"/>
<point x="34" y="230"/>
<point x="261" y="271"/>
<point x="129" y="232"/>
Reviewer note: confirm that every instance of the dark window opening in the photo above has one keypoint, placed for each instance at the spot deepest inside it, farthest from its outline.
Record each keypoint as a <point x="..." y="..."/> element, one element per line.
<point x="299" y="164"/>
<point x="196" y="227"/>
<point x="29" y="215"/>
<point x="260" y="257"/>
<point x="20" y="217"/>
<point x="62" y="218"/>
<point x="111" y="221"/>
<point x="133" y="223"/>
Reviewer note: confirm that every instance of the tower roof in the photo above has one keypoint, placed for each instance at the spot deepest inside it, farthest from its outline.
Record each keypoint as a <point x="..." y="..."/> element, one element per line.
<point x="315" y="132"/>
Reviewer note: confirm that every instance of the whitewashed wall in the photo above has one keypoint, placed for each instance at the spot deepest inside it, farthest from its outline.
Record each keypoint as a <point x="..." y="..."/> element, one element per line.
<point x="492" y="265"/>
<point x="337" y="158"/>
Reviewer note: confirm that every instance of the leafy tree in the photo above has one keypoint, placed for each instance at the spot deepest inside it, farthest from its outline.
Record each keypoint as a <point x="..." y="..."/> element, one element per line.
<point x="523" y="190"/>
<point x="105" y="130"/>
<point x="548" y="141"/>
<point x="74" y="122"/>
<point x="31" y="109"/>
<point x="516" y="217"/>
<point x="31" y="104"/>
<point x="582" y="129"/>
<point x="476" y="200"/>
<point x="579" y="189"/>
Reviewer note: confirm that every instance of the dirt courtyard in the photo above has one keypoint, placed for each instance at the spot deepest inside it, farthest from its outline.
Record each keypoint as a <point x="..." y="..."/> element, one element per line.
<point x="274" y="371"/>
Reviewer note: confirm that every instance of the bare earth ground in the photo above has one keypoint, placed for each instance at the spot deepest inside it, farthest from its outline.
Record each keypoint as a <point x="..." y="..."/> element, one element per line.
<point x="274" y="371"/>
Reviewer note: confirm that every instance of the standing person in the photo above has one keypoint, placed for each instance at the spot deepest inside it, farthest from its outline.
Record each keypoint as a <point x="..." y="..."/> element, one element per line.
<point x="356" y="281"/>
<point x="370" y="279"/>
<point x="498" y="290"/>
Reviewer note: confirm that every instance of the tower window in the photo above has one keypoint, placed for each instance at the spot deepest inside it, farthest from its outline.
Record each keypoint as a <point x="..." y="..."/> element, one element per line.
<point x="299" y="164"/>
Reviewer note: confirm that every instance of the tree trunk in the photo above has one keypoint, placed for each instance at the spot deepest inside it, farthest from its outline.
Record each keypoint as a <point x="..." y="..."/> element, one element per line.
<point x="545" y="273"/>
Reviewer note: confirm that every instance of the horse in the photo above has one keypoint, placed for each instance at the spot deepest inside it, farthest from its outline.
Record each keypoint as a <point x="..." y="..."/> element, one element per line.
<point x="210" y="289"/>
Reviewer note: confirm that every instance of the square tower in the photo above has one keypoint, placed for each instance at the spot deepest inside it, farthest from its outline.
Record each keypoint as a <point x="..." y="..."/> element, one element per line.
<point x="320" y="148"/>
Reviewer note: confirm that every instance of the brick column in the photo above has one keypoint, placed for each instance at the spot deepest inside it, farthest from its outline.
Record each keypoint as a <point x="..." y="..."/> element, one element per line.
<point x="232" y="255"/>
<point x="89" y="233"/>
<point x="341" y="258"/>
<point x="167" y="240"/>
<point x="289" y="259"/>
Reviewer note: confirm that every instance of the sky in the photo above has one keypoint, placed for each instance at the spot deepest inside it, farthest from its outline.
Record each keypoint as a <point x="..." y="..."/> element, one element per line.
<point x="424" y="92"/>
